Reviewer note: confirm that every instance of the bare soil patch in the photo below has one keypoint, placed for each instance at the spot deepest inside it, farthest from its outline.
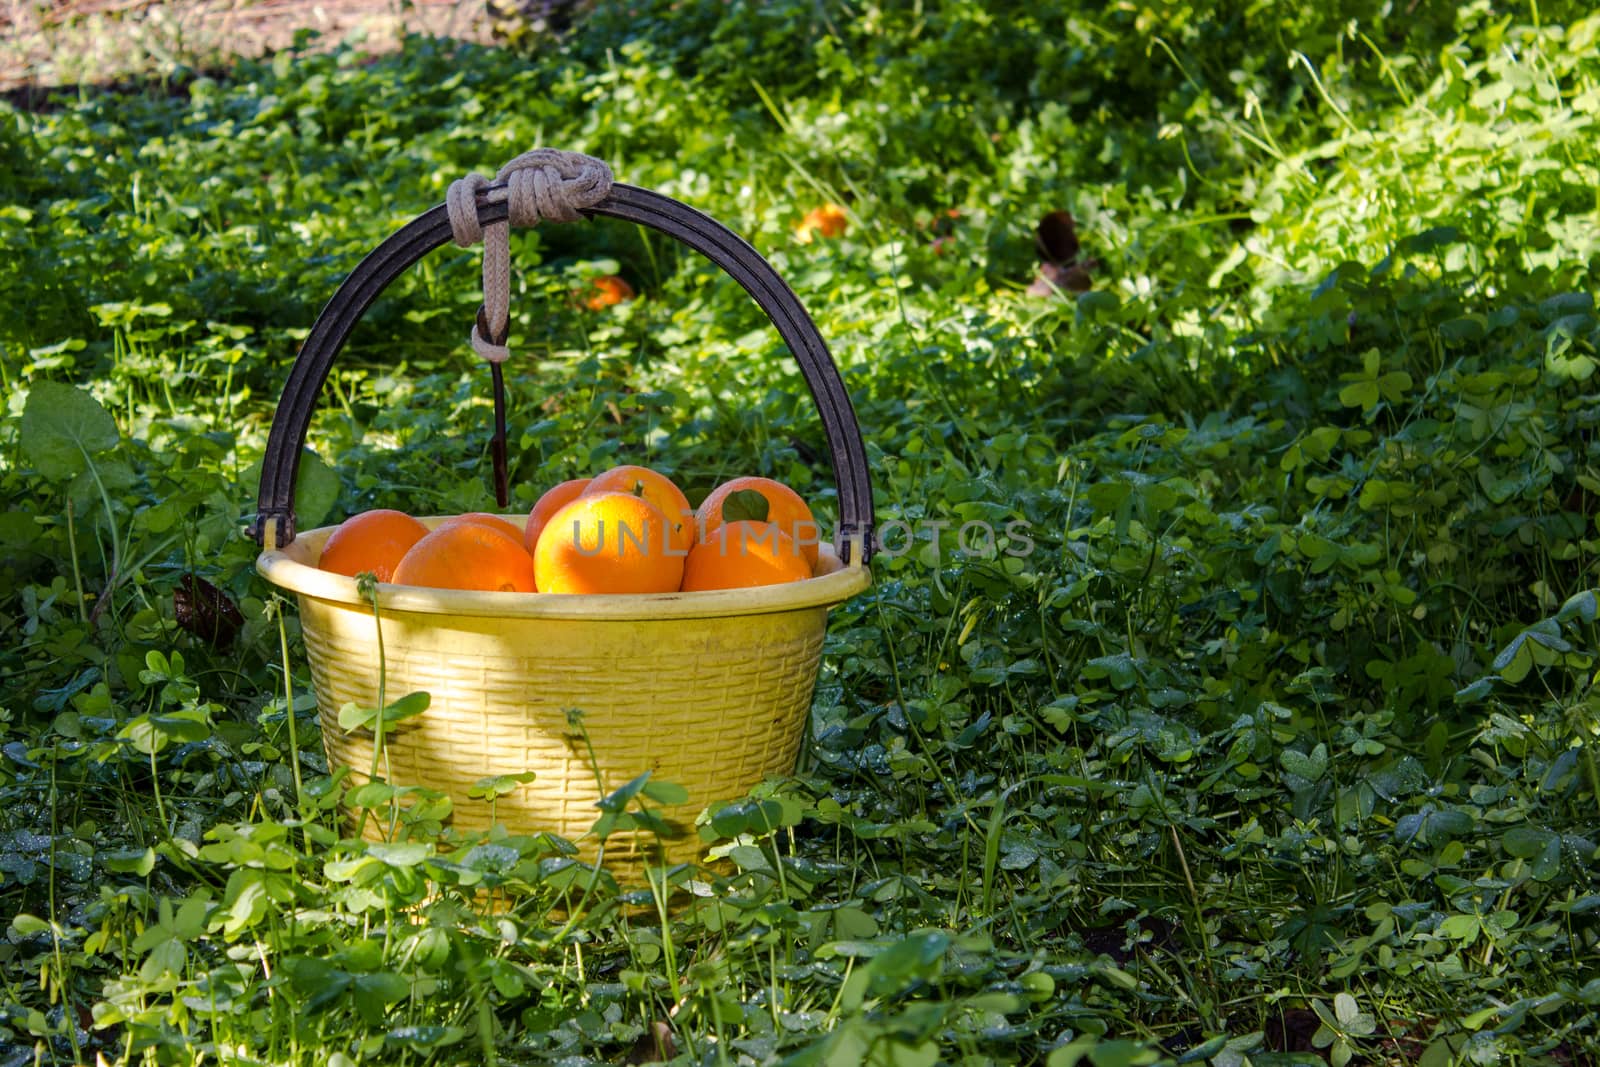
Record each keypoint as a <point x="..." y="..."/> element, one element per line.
<point x="46" y="44"/>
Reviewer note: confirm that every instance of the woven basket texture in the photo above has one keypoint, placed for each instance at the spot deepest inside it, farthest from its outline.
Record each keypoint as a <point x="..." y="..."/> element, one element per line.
<point x="714" y="705"/>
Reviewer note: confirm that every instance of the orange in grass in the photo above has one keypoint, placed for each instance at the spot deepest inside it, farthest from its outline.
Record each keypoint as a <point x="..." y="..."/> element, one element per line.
<point x="553" y="500"/>
<point x="656" y="488"/>
<point x="784" y="509"/>
<point x="829" y="220"/>
<point x="468" y="555"/>
<point x="608" y="289"/>
<point x="607" y="543"/>
<point x="371" y="541"/>
<point x="483" y="518"/>
<point x="742" y="555"/>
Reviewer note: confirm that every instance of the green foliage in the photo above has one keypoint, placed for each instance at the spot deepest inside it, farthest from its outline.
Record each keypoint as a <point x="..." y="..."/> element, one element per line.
<point x="1267" y="707"/>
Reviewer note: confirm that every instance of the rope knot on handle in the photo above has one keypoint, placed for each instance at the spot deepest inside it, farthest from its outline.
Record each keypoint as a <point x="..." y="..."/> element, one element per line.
<point x="544" y="184"/>
<point x="548" y="183"/>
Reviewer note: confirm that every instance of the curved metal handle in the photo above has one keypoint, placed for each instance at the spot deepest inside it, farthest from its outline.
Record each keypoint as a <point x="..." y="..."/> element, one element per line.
<point x="275" y="518"/>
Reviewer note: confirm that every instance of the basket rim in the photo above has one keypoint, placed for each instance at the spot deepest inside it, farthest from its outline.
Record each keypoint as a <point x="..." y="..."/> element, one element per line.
<point x="293" y="568"/>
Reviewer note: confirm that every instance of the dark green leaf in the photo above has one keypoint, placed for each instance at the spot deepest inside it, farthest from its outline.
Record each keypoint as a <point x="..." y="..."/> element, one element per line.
<point x="665" y="792"/>
<point x="617" y="801"/>
<point x="132" y="861"/>
<point x="63" y="429"/>
<point x="422" y="1038"/>
<point x="355" y="717"/>
<point x="745" y="504"/>
<point x="373" y="993"/>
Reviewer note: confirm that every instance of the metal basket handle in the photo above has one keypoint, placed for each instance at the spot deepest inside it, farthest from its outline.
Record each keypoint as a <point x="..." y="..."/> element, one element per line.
<point x="275" y="518"/>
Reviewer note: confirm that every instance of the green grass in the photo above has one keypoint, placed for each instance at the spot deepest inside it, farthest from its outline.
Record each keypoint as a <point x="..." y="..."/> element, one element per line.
<point x="1278" y="744"/>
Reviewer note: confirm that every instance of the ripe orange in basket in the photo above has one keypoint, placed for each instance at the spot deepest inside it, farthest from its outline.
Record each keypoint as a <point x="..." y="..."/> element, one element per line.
<point x="829" y="220"/>
<point x="743" y="554"/>
<point x="656" y="488"/>
<point x="468" y="555"/>
<point x="371" y="541"/>
<point x="554" y="499"/>
<point x="483" y="518"/>
<point x="607" y="543"/>
<point x="785" y="509"/>
<point x="608" y="289"/>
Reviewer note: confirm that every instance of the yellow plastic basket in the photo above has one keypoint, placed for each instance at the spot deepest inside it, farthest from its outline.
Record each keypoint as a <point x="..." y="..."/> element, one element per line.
<point x="708" y="690"/>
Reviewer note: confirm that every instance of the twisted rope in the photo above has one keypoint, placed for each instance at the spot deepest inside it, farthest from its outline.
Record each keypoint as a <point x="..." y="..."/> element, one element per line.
<point x="545" y="183"/>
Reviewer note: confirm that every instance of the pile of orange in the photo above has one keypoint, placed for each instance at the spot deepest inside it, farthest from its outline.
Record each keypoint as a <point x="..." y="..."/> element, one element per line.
<point x="629" y="530"/>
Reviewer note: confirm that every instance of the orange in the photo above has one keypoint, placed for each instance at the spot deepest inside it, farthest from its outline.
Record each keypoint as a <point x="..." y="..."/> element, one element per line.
<point x="656" y="488"/>
<point x="553" y="501"/>
<point x="468" y="555"/>
<point x="608" y="289"/>
<point x="829" y="220"/>
<point x="607" y="543"/>
<point x="784" y="508"/>
<point x="743" y="554"/>
<point x="483" y="518"/>
<point x="371" y="541"/>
